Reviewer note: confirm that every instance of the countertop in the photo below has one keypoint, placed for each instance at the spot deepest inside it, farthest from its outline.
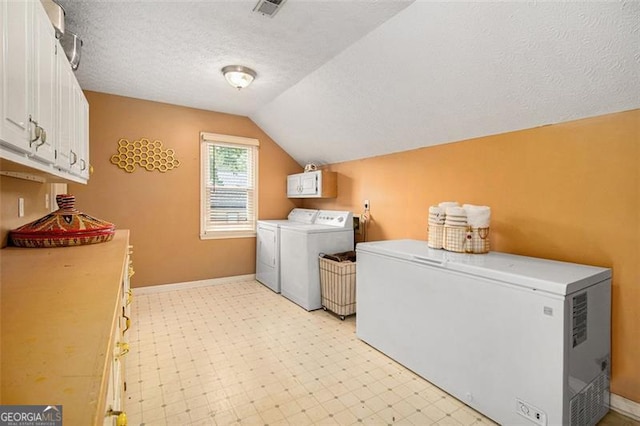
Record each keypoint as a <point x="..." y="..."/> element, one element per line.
<point x="59" y="309"/>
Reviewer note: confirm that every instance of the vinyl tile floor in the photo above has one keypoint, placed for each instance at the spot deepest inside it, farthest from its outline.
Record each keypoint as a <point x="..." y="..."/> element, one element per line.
<point x="237" y="353"/>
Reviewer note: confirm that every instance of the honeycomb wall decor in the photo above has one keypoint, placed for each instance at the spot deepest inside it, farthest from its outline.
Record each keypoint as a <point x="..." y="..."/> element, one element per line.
<point x="146" y="154"/>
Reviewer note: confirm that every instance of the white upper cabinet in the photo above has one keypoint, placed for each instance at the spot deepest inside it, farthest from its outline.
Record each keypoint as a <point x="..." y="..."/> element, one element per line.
<point x="73" y="146"/>
<point x="17" y="17"/>
<point x="43" y="126"/>
<point x="44" y="114"/>
<point x="318" y="184"/>
<point x="79" y="117"/>
<point x="65" y="114"/>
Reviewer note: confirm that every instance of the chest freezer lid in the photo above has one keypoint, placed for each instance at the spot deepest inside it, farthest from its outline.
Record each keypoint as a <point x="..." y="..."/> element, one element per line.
<point x="537" y="274"/>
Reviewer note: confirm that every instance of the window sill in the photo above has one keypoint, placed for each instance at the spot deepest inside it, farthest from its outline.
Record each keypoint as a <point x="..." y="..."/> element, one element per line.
<point x="224" y="235"/>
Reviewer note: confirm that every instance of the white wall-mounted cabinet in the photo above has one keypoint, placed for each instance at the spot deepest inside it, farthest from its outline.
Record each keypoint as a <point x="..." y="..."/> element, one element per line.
<point x="40" y="127"/>
<point x="73" y="124"/>
<point x="317" y="184"/>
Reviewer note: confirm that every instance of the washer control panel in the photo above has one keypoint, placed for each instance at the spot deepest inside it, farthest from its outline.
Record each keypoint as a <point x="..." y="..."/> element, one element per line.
<point x="337" y="218"/>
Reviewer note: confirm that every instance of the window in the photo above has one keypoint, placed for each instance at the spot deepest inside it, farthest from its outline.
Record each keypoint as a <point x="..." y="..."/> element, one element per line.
<point x="229" y="195"/>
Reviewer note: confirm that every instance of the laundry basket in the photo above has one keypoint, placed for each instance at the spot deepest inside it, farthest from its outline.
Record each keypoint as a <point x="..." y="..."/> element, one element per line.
<point x="338" y="284"/>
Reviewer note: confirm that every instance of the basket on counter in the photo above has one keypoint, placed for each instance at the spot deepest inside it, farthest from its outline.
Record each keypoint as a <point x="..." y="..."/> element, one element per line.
<point x="435" y="236"/>
<point x="64" y="227"/>
<point x="465" y="239"/>
<point x="478" y="240"/>
<point x="338" y="286"/>
<point x="454" y="238"/>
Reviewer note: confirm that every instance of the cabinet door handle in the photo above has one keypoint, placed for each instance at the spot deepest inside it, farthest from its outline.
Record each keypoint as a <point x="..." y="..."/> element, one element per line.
<point x="127" y="324"/>
<point x="124" y="349"/>
<point x="129" y="297"/>
<point x="121" y="417"/>
<point x="84" y="164"/>
<point x="75" y="158"/>
<point x="39" y="133"/>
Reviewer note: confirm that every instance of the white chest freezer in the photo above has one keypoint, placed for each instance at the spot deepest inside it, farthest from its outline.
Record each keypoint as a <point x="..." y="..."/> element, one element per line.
<point x="522" y="340"/>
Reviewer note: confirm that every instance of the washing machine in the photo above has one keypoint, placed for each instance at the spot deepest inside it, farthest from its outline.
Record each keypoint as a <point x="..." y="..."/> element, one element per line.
<point x="300" y="246"/>
<point x="268" y="245"/>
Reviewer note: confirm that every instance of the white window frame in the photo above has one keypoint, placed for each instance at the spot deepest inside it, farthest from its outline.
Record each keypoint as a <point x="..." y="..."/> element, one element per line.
<point x="210" y="232"/>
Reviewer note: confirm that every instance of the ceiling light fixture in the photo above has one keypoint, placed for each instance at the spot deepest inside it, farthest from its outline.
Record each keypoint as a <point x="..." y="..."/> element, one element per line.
<point x="238" y="76"/>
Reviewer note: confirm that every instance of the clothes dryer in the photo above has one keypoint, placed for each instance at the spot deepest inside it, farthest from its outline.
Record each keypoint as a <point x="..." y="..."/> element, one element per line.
<point x="268" y="245"/>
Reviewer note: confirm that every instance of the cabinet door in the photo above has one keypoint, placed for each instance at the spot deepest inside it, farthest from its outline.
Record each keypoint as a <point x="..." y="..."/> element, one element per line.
<point x="83" y="134"/>
<point x="44" y="88"/>
<point x="17" y="24"/>
<point x="79" y="132"/>
<point x="309" y="183"/>
<point x="293" y="185"/>
<point x="65" y="118"/>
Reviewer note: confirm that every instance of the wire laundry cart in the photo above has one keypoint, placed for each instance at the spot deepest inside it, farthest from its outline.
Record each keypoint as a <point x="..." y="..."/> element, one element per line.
<point x="338" y="283"/>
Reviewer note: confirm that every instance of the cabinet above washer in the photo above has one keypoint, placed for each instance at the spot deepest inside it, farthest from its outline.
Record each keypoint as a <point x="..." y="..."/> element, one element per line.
<point x="317" y="184"/>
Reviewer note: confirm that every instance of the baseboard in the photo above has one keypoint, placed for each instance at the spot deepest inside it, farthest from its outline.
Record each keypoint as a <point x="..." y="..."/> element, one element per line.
<point x="193" y="284"/>
<point x="625" y="406"/>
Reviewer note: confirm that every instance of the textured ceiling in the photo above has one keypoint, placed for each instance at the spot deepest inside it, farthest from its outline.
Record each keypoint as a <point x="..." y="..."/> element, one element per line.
<point x="172" y="51"/>
<point x="340" y="80"/>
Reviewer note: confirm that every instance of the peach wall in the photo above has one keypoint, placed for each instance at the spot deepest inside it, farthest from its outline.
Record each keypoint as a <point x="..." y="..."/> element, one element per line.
<point x="569" y="191"/>
<point x="162" y="209"/>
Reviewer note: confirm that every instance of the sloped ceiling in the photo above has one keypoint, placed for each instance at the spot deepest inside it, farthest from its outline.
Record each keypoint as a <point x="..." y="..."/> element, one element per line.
<point x="342" y="80"/>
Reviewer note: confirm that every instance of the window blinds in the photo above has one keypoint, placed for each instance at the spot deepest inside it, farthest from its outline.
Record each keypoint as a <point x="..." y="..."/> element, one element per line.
<point x="229" y="187"/>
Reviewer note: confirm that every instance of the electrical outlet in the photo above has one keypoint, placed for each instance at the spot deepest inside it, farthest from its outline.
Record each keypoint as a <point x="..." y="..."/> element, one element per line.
<point x="47" y="204"/>
<point x="367" y="205"/>
<point x="20" y="207"/>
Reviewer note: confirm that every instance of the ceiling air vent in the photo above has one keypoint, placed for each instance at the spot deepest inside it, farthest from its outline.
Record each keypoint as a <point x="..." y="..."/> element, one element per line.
<point x="268" y="7"/>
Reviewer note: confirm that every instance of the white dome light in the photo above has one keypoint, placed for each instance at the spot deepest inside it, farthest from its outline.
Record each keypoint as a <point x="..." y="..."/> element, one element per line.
<point x="238" y="76"/>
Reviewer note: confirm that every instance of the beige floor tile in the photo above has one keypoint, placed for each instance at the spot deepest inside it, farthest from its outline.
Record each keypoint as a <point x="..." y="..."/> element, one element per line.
<point x="448" y="420"/>
<point x="271" y="415"/>
<point x="404" y="408"/>
<point x="197" y="401"/>
<point x="317" y="413"/>
<point x="466" y="416"/>
<point x="200" y="413"/>
<point x="334" y="406"/>
<point x="448" y="404"/>
<point x="418" y="419"/>
<point x="376" y="403"/>
<point x="290" y="408"/>
<point x="434" y="413"/>
<point x="224" y="417"/>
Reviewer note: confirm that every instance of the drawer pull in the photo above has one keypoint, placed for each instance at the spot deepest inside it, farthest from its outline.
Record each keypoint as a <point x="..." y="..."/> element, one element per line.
<point x="121" y="417"/>
<point x="124" y="349"/>
<point x="127" y="322"/>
